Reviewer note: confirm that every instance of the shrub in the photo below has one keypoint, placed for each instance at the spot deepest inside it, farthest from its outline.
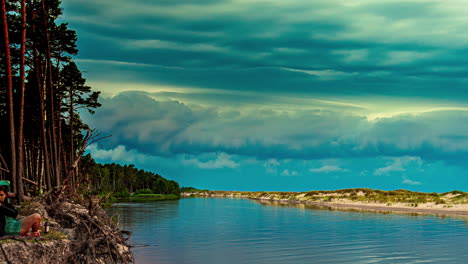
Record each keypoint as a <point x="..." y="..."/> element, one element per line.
<point x="148" y="195"/>
<point x="143" y="191"/>
<point x="122" y="194"/>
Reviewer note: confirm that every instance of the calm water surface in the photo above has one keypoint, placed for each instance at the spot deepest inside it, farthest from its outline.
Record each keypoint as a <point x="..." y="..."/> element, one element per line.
<point x="210" y="230"/>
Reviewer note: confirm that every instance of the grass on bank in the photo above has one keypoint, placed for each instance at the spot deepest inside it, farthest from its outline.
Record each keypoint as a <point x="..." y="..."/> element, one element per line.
<point x="148" y="197"/>
<point x="140" y="195"/>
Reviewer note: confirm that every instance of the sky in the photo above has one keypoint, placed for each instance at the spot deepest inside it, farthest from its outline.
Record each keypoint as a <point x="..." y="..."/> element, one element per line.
<point x="280" y="95"/>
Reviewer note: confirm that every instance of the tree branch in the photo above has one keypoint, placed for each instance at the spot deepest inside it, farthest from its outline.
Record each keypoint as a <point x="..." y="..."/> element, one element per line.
<point x="31" y="182"/>
<point x="89" y="139"/>
<point x="4" y="163"/>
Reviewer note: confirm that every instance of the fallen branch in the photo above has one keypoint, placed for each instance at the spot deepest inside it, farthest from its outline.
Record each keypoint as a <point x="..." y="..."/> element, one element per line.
<point x="4" y="162"/>
<point x="31" y="182"/>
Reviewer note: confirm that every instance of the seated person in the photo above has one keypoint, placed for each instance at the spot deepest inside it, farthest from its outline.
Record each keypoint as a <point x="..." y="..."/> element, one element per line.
<point x="10" y="226"/>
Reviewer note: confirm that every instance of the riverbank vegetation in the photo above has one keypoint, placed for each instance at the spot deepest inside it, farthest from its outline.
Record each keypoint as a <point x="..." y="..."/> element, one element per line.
<point x="358" y="195"/>
<point x="124" y="180"/>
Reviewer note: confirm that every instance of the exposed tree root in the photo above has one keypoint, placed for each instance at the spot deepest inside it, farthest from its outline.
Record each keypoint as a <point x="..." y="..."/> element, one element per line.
<point x="95" y="238"/>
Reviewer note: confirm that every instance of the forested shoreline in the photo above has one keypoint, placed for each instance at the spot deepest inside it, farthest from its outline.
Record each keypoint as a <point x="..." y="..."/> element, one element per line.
<point x="122" y="181"/>
<point x="43" y="138"/>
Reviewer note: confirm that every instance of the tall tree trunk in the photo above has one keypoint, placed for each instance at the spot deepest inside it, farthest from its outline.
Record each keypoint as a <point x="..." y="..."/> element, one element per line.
<point x="20" y="172"/>
<point x="54" y="153"/>
<point x="40" y="170"/>
<point x="49" y="177"/>
<point x="45" y="145"/>
<point x="62" y="163"/>
<point x="46" y="170"/>
<point x="9" y="79"/>
<point x="72" y="143"/>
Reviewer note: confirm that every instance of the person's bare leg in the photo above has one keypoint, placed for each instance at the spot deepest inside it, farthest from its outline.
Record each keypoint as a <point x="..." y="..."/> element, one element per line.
<point x="30" y="222"/>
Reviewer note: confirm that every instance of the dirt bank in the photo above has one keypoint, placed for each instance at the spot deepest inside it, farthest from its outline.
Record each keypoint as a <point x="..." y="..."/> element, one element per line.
<point x="81" y="232"/>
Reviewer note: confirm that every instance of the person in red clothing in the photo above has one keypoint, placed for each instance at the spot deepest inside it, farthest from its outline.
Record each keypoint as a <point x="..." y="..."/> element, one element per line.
<point x="28" y="226"/>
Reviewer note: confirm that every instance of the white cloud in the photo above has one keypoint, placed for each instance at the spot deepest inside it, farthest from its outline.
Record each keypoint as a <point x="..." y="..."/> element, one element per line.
<point x="222" y="160"/>
<point x="411" y="182"/>
<point x="350" y="56"/>
<point x="328" y="169"/>
<point x="399" y="164"/>
<point x="324" y="74"/>
<point x="119" y="153"/>
<point x="271" y="166"/>
<point x="113" y="62"/>
<point x="161" y="44"/>
<point x="401" y="57"/>
<point x="393" y="166"/>
<point x="287" y="172"/>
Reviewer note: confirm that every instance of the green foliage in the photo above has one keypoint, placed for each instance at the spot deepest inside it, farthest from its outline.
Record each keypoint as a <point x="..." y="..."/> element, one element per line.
<point x="160" y="186"/>
<point x="189" y="189"/>
<point x="455" y="192"/>
<point x="148" y="195"/>
<point x="123" y="180"/>
<point x="122" y="194"/>
<point x="143" y="191"/>
<point x="54" y="235"/>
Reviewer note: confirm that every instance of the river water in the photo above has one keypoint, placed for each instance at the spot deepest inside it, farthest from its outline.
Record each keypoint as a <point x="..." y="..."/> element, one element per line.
<point x="237" y="231"/>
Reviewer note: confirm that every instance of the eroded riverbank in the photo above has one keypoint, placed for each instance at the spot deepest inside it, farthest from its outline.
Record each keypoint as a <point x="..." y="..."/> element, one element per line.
<point x="80" y="232"/>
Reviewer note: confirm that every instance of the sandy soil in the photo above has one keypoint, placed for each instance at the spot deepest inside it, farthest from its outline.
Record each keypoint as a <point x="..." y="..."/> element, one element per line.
<point x="457" y="210"/>
<point x="454" y="209"/>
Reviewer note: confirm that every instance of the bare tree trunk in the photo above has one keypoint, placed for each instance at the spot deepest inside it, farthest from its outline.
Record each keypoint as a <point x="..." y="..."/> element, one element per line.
<point x="45" y="169"/>
<point x="49" y="177"/>
<point x="20" y="172"/>
<point x="72" y="143"/>
<point x="45" y="145"/>
<point x="40" y="170"/>
<point x="62" y="163"/>
<point x="9" y="80"/>
<point x="54" y="153"/>
<point x="60" y="150"/>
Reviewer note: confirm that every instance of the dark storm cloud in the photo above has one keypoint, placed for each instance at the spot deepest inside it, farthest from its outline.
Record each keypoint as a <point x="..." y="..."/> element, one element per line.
<point x="244" y="45"/>
<point x="337" y="93"/>
<point x="167" y="128"/>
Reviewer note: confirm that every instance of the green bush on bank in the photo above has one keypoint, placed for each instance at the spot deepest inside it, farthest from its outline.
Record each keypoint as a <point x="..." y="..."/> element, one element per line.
<point x="121" y="194"/>
<point x="143" y="191"/>
<point x="150" y="195"/>
<point x="147" y="197"/>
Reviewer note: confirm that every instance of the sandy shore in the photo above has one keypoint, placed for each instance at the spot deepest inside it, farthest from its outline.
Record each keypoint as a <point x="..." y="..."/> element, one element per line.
<point x="344" y="204"/>
<point x="381" y="208"/>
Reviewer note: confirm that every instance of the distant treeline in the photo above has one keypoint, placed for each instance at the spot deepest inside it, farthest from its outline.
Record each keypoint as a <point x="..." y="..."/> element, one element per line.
<point x="118" y="179"/>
